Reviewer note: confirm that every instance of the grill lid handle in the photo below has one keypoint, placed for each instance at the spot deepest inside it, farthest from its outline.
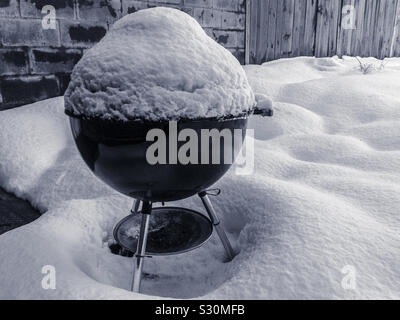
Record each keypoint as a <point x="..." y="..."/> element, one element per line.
<point x="264" y="106"/>
<point x="264" y="112"/>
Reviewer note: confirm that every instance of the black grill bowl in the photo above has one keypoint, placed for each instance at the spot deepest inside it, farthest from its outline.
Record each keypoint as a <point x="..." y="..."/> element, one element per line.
<point x="116" y="153"/>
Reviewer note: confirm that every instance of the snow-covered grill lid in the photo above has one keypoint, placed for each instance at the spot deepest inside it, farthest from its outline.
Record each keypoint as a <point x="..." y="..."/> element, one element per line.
<point x="158" y="64"/>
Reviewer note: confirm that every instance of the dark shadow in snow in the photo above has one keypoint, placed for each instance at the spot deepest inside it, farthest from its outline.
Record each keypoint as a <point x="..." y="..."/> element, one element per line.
<point x="15" y="212"/>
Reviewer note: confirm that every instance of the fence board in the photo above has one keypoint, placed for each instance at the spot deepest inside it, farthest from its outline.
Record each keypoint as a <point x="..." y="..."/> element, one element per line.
<point x="369" y="23"/>
<point x="378" y="34"/>
<point x="322" y="33"/>
<point x="359" y="32"/>
<point x="395" y="47"/>
<point x="346" y="33"/>
<point x="334" y="21"/>
<point x="259" y="27"/>
<point x="272" y="10"/>
<point x="390" y="23"/>
<point x="278" y="30"/>
<point x="287" y="28"/>
<point x="263" y="27"/>
<point x="308" y="47"/>
<point x="300" y="7"/>
<point x="247" y="32"/>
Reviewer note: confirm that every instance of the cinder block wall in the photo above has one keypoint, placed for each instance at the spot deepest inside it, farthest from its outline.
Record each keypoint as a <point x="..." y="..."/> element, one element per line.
<point x="35" y="63"/>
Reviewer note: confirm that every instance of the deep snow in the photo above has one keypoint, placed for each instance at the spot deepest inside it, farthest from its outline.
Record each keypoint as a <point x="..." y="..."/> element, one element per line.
<point x="158" y="64"/>
<point x="324" y="195"/>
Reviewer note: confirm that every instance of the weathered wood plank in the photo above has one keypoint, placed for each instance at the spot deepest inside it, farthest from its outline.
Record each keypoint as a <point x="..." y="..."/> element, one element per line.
<point x="379" y="28"/>
<point x="351" y="46"/>
<point x="303" y="42"/>
<point x="334" y="19"/>
<point x="287" y="28"/>
<point x="263" y="31"/>
<point x="395" y="47"/>
<point x="390" y="21"/>
<point x="278" y="30"/>
<point x="340" y="33"/>
<point x="272" y="24"/>
<point x="322" y="37"/>
<point x="369" y="28"/>
<point x="344" y="31"/>
<point x="351" y="33"/>
<point x="298" y="26"/>
<point x="359" y="33"/>
<point x="254" y="23"/>
<point x="247" y="33"/>
<point x="308" y="47"/>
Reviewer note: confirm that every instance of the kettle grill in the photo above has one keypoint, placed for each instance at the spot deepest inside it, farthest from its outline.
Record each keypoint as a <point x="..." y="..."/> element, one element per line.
<point x="115" y="151"/>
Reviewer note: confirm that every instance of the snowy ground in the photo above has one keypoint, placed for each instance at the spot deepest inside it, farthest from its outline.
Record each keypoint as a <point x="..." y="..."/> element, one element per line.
<point x="324" y="195"/>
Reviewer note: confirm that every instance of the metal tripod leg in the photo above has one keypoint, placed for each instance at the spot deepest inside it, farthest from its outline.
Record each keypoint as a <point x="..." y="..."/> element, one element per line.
<point x="135" y="207"/>
<point x="141" y="247"/>
<point x="217" y="225"/>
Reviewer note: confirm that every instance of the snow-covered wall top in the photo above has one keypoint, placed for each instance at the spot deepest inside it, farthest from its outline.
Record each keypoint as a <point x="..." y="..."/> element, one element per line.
<point x="36" y="61"/>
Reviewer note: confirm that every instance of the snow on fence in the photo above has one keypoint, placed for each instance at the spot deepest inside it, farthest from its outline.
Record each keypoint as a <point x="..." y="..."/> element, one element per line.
<point x="289" y="28"/>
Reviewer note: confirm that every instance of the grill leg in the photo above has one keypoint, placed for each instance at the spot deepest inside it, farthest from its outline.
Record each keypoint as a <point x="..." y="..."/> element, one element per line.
<point x="217" y="225"/>
<point x="135" y="207"/>
<point x="141" y="247"/>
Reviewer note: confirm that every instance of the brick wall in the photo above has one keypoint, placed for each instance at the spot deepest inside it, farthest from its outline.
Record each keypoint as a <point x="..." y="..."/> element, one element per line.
<point x="35" y="63"/>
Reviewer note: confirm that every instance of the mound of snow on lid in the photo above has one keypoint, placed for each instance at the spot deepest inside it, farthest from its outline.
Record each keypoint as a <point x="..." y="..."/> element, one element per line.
<point x="158" y="64"/>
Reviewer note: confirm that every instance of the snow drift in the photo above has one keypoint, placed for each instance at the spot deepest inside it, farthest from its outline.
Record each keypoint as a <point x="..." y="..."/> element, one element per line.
<point x="324" y="196"/>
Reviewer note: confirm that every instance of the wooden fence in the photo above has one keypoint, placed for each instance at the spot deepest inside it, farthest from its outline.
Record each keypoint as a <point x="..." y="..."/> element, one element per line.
<point x="290" y="28"/>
